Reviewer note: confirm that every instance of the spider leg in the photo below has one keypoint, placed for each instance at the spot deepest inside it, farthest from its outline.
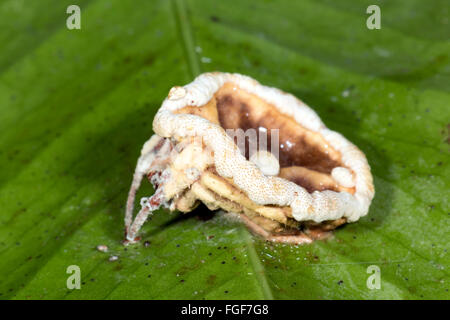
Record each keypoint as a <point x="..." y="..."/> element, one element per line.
<point x="148" y="206"/>
<point x="135" y="184"/>
<point x="144" y="163"/>
<point x="141" y="217"/>
<point x="152" y="162"/>
<point x="299" y="238"/>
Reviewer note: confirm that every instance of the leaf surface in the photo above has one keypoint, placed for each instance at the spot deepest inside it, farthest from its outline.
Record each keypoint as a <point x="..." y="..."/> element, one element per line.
<point x="77" y="105"/>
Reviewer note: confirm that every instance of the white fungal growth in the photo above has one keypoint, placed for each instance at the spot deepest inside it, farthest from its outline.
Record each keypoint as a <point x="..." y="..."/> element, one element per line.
<point x="192" y="173"/>
<point x="144" y="201"/>
<point x="321" y="176"/>
<point x="176" y="93"/>
<point x="266" y="162"/>
<point x="343" y="176"/>
<point x="268" y="190"/>
<point x="102" y="248"/>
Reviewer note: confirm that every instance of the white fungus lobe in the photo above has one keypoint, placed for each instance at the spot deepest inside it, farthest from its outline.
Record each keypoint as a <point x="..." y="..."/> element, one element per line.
<point x="102" y="248"/>
<point x="113" y="258"/>
<point x="343" y="176"/>
<point x="266" y="162"/>
<point x="176" y="93"/>
<point x="192" y="173"/>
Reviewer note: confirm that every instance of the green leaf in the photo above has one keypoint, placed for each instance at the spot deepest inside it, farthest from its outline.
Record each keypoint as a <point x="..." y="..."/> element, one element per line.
<point x="77" y="105"/>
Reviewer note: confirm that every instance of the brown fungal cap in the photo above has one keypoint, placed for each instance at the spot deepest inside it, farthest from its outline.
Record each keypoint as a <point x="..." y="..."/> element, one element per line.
<point x="303" y="155"/>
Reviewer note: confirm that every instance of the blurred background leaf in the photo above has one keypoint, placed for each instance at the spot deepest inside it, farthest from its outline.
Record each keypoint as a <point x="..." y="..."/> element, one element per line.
<point x="77" y="105"/>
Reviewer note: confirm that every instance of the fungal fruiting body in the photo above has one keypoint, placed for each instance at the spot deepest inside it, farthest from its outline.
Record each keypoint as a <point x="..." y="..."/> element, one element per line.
<point x="253" y="151"/>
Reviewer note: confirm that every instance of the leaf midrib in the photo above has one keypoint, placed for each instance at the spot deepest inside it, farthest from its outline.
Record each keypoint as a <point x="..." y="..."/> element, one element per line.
<point x="180" y="13"/>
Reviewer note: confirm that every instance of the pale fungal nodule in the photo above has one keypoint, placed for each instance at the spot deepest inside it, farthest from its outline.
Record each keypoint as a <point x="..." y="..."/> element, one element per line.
<point x="254" y="151"/>
<point x="113" y="258"/>
<point x="102" y="248"/>
<point x="266" y="162"/>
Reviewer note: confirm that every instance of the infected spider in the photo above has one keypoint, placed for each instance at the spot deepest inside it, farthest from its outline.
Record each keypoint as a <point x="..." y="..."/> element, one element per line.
<point x="299" y="182"/>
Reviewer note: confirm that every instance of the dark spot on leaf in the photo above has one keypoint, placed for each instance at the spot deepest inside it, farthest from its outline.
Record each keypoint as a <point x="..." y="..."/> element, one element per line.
<point x="149" y="60"/>
<point x="340" y="282"/>
<point x="214" y="19"/>
<point x="211" y="279"/>
<point x="446" y="133"/>
<point x="117" y="267"/>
